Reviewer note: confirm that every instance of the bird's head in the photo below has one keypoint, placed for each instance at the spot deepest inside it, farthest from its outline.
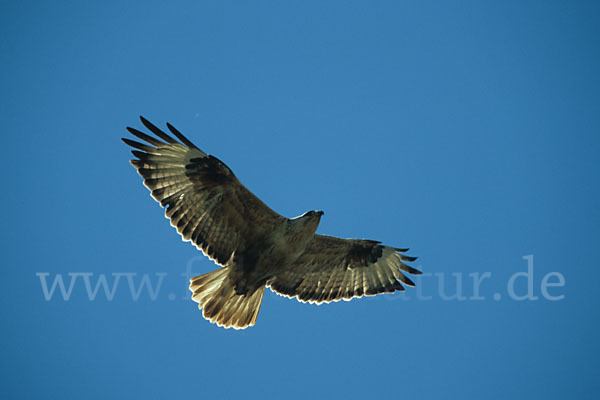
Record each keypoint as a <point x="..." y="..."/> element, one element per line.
<point x="311" y="218"/>
<point x="312" y="215"/>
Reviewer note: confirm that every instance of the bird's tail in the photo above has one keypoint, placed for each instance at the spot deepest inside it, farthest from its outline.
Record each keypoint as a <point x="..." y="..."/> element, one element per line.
<point x="216" y="297"/>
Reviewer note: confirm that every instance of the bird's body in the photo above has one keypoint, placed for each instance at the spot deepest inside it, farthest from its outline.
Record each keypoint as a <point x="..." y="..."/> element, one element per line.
<point x="256" y="247"/>
<point x="261" y="260"/>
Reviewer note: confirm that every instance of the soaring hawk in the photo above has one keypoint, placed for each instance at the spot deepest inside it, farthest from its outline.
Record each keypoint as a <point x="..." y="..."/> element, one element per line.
<point x="255" y="246"/>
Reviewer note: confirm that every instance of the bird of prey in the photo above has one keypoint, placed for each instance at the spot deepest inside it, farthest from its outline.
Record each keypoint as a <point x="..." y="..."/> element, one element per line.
<point x="255" y="246"/>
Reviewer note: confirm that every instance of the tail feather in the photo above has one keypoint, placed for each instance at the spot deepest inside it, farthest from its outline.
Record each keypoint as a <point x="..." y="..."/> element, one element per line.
<point x="216" y="297"/>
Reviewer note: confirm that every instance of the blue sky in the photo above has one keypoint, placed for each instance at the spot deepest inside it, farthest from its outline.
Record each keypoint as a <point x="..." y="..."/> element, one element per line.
<point x="467" y="131"/>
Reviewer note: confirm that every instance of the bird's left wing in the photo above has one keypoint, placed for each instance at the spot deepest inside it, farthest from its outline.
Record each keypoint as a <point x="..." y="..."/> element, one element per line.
<point x="333" y="269"/>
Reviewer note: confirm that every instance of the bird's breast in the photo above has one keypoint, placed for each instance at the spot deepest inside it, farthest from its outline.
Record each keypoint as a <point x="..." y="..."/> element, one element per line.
<point x="274" y="253"/>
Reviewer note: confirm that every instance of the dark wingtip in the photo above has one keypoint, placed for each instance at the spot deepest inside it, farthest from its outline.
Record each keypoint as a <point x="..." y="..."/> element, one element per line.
<point x="406" y="280"/>
<point x="180" y="136"/>
<point x="407" y="258"/>
<point x="409" y="269"/>
<point x="138" y="145"/>
<point x="415" y="271"/>
<point x="138" y="154"/>
<point x="154" y="129"/>
<point x="146" y="123"/>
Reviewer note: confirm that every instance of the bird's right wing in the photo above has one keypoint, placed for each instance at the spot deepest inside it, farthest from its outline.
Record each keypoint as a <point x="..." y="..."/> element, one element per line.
<point x="202" y="197"/>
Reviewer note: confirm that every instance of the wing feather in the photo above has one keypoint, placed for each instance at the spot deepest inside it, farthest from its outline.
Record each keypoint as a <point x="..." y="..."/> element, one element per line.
<point x="202" y="197"/>
<point x="332" y="269"/>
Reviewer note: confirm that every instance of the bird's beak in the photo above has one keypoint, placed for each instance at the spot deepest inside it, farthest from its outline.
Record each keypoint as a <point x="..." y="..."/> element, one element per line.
<point x="320" y="213"/>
